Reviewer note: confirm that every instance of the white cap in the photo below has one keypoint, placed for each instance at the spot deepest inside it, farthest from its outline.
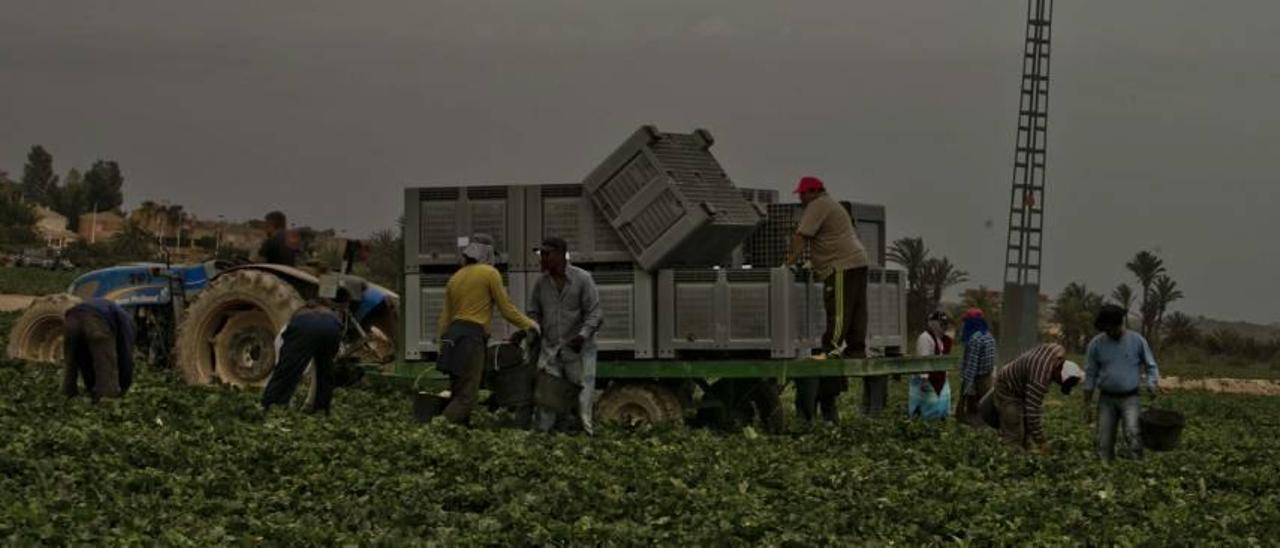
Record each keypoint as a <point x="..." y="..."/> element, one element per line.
<point x="1071" y="370"/>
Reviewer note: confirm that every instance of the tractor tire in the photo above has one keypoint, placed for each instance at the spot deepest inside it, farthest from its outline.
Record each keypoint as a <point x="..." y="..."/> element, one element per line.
<point x="37" y="335"/>
<point x="634" y="404"/>
<point x="229" y="332"/>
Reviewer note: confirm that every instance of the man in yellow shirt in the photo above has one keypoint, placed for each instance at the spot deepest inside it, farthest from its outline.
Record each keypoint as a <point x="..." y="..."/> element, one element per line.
<point x="469" y="298"/>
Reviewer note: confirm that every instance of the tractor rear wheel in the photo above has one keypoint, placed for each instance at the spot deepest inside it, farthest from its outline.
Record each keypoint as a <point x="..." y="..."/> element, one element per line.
<point x="229" y="332"/>
<point x="633" y="404"/>
<point x="37" y="335"/>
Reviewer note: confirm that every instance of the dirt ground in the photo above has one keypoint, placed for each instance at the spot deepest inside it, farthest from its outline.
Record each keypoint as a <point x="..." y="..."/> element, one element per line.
<point x="12" y="303"/>
<point x="1256" y="387"/>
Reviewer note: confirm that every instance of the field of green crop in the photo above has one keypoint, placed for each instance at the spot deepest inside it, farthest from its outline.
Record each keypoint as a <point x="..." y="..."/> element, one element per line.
<point x="35" y="281"/>
<point x="173" y="464"/>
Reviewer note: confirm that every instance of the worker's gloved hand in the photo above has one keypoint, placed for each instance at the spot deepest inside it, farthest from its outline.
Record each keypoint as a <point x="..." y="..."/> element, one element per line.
<point x="576" y="343"/>
<point x="1153" y="391"/>
<point x="518" y="336"/>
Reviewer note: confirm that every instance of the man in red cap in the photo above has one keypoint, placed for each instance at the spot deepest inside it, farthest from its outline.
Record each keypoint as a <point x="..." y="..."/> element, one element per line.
<point x="840" y="261"/>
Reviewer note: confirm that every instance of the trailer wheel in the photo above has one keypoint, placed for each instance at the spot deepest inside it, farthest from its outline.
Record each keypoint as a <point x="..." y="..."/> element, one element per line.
<point x="37" y="335"/>
<point x="634" y="404"/>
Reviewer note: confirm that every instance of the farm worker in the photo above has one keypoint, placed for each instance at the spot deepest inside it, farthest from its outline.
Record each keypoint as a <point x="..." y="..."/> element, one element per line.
<point x="976" y="366"/>
<point x="1115" y="361"/>
<point x="279" y="248"/>
<point x="566" y="304"/>
<point x="930" y="394"/>
<point x="839" y="260"/>
<point x="312" y="337"/>
<point x="1016" y="404"/>
<point x="98" y="346"/>
<point x="469" y="299"/>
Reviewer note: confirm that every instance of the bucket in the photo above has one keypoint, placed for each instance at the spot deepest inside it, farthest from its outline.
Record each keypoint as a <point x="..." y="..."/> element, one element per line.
<point x="513" y="387"/>
<point x="1161" y="428"/>
<point x="425" y="404"/>
<point x="555" y="393"/>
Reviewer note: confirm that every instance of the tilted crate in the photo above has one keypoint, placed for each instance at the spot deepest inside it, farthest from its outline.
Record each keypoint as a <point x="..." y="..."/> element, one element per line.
<point x="670" y="200"/>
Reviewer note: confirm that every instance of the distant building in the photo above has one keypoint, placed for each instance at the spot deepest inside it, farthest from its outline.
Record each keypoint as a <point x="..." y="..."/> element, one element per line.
<point x="51" y="226"/>
<point x="100" y="226"/>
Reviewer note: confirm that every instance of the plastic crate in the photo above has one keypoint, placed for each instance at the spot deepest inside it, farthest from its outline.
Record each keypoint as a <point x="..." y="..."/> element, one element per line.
<point x="626" y="298"/>
<point x="727" y="310"/>
<point x="567" y="212"/>
<point x="767" y="246"/>
<point x="670" y="201"/>
<point x="424" y="299"/>
<point x="436" y="217"/>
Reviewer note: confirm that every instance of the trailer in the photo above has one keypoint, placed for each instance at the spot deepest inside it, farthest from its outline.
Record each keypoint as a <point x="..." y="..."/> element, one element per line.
<point x="692" y="330"/>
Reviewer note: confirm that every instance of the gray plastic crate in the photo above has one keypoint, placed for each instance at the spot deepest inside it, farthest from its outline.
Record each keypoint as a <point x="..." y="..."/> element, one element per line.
<point x="626" y="297"/>
<point x="736" y="310"/>
<point x="567" y="212"/>
<point x="886" y="311"/>
<point x="424" y="298"/>
<point x="670" y="200"/>
<point x="767" y="246"/>
<point x="436" y="217"/>
<point x="761" y="198"/>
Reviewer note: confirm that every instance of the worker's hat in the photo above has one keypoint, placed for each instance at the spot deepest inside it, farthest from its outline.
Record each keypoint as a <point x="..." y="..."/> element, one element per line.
<point x="1071" y="376"/>
<point x="809" y="184"/>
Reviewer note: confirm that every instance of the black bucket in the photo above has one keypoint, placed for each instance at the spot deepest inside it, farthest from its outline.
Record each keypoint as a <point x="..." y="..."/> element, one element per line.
<point x="427" y="405"/>
<point x="1161" y="428"/>
<point x="554" y="393"/>
<point x="513" y="387"/>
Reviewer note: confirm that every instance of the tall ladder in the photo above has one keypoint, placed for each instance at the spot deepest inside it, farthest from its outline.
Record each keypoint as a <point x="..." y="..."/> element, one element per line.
<point x="1021" y="300"/>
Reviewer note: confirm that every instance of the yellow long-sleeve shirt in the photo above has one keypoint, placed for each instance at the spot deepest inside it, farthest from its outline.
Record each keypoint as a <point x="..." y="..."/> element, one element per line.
<point x="471" y="294"/>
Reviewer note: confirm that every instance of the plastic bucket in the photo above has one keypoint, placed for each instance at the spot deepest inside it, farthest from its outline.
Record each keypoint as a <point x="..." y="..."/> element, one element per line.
<point x="513" y="387"/>
<point x="1161" y="428"/>
<point x="427" y="405"/>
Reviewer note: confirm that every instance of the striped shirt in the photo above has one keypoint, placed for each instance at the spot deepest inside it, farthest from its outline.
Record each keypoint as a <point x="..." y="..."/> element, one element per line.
<point x="979" y="357"/>
<point x="1027" y="379"/>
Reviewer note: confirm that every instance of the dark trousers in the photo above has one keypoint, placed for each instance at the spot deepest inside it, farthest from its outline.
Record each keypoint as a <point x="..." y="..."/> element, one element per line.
<point x="310" y="338"/>
<point x="819" y="393"/>
<point x="89" y="348"/>
<point x="464" y="386"/>
<point x="844" y="295"/>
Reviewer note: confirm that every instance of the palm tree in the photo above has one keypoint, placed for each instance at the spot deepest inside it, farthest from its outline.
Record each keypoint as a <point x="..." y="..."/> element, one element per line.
<point x="1123" y="296"/>
<point x="938" y="275"/>
<point x="1146" y="266"/>
<point x="911" y="254"/>
<point x="1180" y="329"/>
<point x="1074" y="311"/>
<point x="1164" y="293"/>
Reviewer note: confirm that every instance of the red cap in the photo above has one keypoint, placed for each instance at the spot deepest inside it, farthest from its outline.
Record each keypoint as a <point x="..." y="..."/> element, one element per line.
<point x="973" y="313"/>
<point x="809" y="184"/>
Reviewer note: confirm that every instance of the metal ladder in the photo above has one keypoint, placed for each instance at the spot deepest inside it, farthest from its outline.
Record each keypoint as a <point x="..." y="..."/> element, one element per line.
<point x="1026" y="203"/>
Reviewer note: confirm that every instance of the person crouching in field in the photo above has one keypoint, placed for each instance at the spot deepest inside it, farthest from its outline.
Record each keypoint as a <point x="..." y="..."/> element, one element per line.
<point x="98" y="346"/>
<point x="1016" y="404"/>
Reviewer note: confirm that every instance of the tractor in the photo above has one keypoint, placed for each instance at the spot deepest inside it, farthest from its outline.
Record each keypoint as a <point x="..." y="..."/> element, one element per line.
<point x="216" y="322"/>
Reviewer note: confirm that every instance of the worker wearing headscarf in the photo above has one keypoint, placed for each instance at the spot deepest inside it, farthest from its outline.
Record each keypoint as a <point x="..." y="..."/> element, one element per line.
<point x="1016" y="404"/>
<point x="977" y="365"/>
<point x="930" y="395"/>
<point x="469" y="298"/>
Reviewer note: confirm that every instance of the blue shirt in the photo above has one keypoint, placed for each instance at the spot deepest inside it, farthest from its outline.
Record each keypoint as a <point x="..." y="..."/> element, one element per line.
<point x="1116" y="366"/>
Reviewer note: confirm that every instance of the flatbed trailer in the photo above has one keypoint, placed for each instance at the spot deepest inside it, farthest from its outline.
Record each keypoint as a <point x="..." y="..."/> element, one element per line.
<point x="723" y="392"/>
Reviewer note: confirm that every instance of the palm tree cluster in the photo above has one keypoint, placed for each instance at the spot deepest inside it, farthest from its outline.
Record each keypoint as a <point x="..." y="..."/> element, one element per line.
<point x="927" y="277"/>
<point x="1076" y="306"/>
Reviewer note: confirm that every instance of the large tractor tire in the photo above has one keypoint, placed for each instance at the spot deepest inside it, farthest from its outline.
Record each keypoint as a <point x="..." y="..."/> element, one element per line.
<point x="633" y="404"/>
<point x="37" y="335"/>
<point x="229" y="332"/>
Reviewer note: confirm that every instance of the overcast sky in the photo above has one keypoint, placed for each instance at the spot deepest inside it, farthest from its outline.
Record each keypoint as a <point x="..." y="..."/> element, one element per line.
<point x="1162" y="133"/>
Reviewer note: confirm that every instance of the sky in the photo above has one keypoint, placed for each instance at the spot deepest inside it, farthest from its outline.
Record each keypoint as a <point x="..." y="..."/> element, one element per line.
<point x="1161" y="136"/>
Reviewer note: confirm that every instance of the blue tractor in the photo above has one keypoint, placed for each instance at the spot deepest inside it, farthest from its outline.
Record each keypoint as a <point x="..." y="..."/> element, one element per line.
<point x="216" y="321"/>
